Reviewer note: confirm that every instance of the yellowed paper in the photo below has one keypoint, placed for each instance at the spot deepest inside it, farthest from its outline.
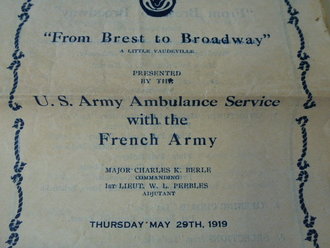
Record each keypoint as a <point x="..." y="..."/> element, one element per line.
<point x="164" y="124"/>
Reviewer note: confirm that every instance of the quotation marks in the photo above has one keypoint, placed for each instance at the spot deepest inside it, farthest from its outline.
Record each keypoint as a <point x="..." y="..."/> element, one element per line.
<point x="47" y="34"/>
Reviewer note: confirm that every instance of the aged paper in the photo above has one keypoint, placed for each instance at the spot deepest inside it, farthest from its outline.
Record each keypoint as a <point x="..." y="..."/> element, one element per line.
<point x="164" y="124"/>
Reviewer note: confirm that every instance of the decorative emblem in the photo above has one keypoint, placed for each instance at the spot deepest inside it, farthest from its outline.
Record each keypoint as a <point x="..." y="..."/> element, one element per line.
<point x="157" y="8"/>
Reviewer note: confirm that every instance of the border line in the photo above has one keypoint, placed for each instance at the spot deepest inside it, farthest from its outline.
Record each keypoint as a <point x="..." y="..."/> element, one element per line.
<point x="17" y="179"/>
<point x="303" y="177"/>
<point x="18" y="54"/>
<point x="304" y="65"/>
<point x="302" y="164"/>
<point x="19" y="166"/>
